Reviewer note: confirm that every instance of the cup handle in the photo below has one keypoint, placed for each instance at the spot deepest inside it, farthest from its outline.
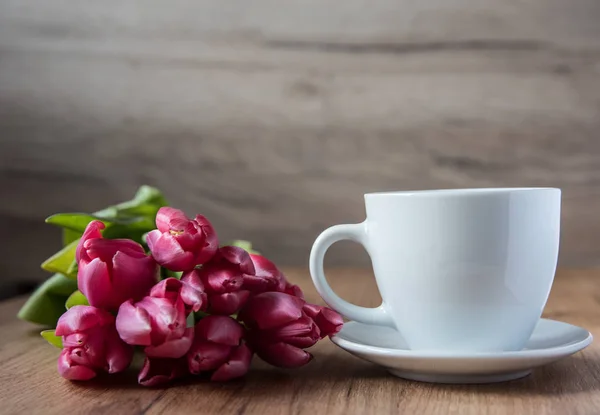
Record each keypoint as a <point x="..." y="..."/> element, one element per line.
<point x="358" y="233"/>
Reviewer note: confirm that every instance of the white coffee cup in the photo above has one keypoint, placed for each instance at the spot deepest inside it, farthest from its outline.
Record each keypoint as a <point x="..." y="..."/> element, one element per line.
<point x="458" y="270"/>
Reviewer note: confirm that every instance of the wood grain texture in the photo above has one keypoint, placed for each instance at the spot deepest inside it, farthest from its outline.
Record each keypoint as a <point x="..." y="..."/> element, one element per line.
<point x="335" y="382"/>
<point x="273" y="121"/>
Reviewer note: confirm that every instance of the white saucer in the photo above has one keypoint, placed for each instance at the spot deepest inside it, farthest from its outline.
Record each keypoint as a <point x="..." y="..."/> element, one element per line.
<point x="551" y="341"/>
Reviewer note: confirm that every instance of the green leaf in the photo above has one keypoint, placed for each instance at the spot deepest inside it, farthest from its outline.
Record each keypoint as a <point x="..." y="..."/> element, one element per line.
<point x="61" y="262"/>
<point x="131" y="219"/>
<point x="190" y="321"/>
<point x="52" y="338"/>
<point x="72" y="270"/>
<point x="246" y="245"/>
<point x="145" y="195"/>
<point x="47" y="303"/>
<point x="167" y="273"/>
<point x="77" y="298"/>
<point x="70" y="235"/>
<point x="199" y="315"/>
<point x="146" y="202"/>
<point x="78" y="221"/>
<point x="73" y="221"/>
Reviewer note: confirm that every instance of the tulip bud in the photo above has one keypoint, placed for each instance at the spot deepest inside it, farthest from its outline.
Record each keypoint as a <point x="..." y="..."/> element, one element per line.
<point x="269" y="278"/>
<point x="111" y="271"/>
<point x="218" y="349"/>
<point x="280" y="327"/>
<point x="157" y="323"/>
<point x="90" y="344"/>
<point x="223" y="278"/>
<point x="189" y="288"/>
<point x="328" y="321"/>
<point x="266" y="277"/>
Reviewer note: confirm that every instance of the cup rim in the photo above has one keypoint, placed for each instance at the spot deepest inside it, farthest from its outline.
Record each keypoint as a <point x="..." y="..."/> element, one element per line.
<point x="460" y="191"/>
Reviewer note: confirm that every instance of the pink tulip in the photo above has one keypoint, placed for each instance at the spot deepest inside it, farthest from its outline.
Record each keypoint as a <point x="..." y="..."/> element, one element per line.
<point x="190" y="289"/>
<point x="218" y="349"/>
<point x="90" y="344"/>
<point x="180" y="243"/>
<point x="112" y="271"/>
<point x="223" y="278"/>
<point x="281" y="326"/>
<point x="157" y="323"/>
<point x="157" y="371"/>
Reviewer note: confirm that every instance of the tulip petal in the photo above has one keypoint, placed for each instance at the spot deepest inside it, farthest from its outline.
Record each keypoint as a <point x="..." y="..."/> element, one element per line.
<point x="204" y="356"/>
<point x="78" y="356"/>
<point x="220" y="329"/>
<point x="189" y="236"/>
<point x="92" y="231"/>
<point x="166" y="215"/>
<point x="71" y="371"/>
<point x="211" y="241"/>
<point x="237" y="366"/>
<point x="168" y="288"/>
<point x="168" y="319"/>
<point x="80" y="318"/>
<point x="294" y="290"/>
<point x="134" y="324"/>
<point x="152" y="238"/>
<point x="283" y="355"/>
<point x="237" y="256"/>
<point x="105" y="249"/>
<point x="93" y="280"/>
<point x="118" y="353"/>
<point x="256" y="284"/>
<point x="167" y="252"/>
<point x="228" y="303"/>
<point x="221" y="280"/>
<point x="267" y="277"/>
<point x="160" y="371"/>
<point x="73" y="339"/>
<point x="328" y="321"/>
<point x="92" y="348"/>
<point x="304" y="330"/>
<point x="192" y="291"/>
<point x="173" y="348"/>
<point x="271" y="309"/>
<point x="133" y="277"/>
<point x="189" y="289"/>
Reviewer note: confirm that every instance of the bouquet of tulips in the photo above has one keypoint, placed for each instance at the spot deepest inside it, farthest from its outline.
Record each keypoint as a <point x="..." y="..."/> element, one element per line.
<point x="191" y="306"/>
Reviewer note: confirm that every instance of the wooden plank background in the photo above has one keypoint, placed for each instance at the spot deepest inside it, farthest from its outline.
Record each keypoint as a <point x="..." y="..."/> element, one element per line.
<point x="273" y="118"/>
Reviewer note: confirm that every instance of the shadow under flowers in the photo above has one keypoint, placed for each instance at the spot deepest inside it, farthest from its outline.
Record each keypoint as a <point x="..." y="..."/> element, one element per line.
<point x="575" y="374"/>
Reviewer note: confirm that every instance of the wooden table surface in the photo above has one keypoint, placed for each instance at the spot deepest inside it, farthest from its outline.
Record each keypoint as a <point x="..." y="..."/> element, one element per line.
<point x="335" y="382"/>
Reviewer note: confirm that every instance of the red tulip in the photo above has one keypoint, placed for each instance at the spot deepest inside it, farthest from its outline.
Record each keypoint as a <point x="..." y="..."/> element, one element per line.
<point x="280" y="327"/>
<point x="112" y="271"/>
<point x="180" y="243"/>
<point x="269" y="278"/>
<point x="190" y="289"/>
<point x="157" y="323"/>
<point x="157" y="371"/>
<point x="218" y="348"/>
<point x="266" y="277"/>
<point x="294" y="290"/>
<point x="223" y="278"/>
<point x="328" y="321"/>
<point x="90" y="344"/>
